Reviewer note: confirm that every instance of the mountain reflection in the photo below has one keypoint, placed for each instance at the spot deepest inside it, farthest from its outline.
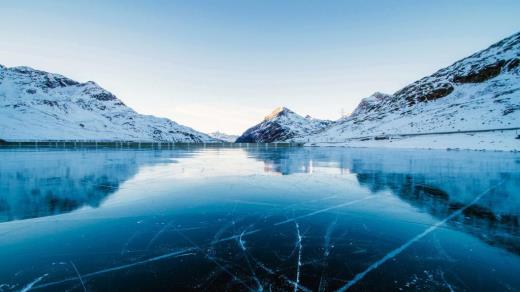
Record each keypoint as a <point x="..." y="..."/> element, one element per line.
<point x="434" y="182"/>
<point x="36" y="184"/>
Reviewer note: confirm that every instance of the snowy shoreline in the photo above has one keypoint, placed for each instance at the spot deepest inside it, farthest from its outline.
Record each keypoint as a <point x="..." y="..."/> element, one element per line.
<point x="487" y="141"/>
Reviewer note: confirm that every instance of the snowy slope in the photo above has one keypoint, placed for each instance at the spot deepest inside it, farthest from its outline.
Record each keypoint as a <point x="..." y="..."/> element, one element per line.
<point x="280" y="125"/>
<point x="479" y="92"/>
<point x="40" y="105"/>
<point x="223" y="136"/>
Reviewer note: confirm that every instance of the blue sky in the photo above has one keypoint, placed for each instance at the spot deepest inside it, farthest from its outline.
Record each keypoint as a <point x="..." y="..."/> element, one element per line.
<point x="224" y="65"/>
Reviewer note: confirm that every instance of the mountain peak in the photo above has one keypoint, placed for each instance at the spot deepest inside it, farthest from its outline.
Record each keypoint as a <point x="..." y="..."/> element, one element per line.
<point x="379" y="95"/>
<point x="376" y="97"/>
<point x="282" y="125"/>
<point x="370" y="103"/>
<point x="278" y="112"/>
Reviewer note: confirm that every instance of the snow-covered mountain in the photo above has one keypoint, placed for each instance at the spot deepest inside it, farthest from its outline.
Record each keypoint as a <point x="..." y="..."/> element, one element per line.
<point x="39" y="105"/>
<point x="223" y="136"/>
<point x="370" y="103"/>
<point x="479" y="92"/>
<point x="282" y="124"/>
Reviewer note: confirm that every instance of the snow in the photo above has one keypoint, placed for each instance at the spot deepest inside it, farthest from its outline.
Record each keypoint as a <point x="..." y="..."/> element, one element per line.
<point x="500" y="141"/>
<point x="468" y="107"/>
<point x="36" y="105"/>
<point x="480" y="92"/>
<point x="477" y="93"/>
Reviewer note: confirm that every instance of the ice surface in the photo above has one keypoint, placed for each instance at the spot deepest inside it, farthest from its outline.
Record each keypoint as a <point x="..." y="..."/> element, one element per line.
<point x="298" y="219"/>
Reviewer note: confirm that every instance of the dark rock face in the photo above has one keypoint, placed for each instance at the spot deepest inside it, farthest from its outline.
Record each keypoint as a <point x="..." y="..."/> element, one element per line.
<point x="58" y="82"/>
<point x="436" y="93"/>
<point x="274" y="132"/>
<point x="193" y="138"/>
<point x="48" y="81"/>
<point x="104" y="96"/>
<point x="513" y="64"/>
<point x="481" y="75"/>
<point x="50" y="102"/>
<point x="425" y="92"/>
<point x="510" y="109"/>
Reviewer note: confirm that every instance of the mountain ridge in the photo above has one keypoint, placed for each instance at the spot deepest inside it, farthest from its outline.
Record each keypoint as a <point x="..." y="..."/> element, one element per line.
<point x="478" y="92"/>
<point x="481" y="91"/>
<point x="36" y="104"/>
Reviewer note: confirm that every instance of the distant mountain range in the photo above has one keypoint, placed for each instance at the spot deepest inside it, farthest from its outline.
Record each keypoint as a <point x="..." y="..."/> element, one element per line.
<point x="470" y="97"/>
<point x="39" y="105"/>
<point x="479" y="92"/>
<point x="223" y="136"/>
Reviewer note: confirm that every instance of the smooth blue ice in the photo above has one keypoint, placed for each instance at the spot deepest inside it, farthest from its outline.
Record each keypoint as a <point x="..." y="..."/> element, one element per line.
<point x="294" y="219"/>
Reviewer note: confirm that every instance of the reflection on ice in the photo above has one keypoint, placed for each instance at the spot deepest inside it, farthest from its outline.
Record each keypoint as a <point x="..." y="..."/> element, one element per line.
<point x="36" y="184"/>
<point x="218" y="219"/>
<point x="435" y="185"/>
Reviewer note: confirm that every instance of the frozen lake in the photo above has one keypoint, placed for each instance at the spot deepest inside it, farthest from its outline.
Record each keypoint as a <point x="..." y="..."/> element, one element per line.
<point x="309" y="219"/>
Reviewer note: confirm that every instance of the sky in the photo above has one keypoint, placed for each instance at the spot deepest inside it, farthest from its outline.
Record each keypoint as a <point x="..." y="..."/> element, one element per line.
<point x="224" y="65"/>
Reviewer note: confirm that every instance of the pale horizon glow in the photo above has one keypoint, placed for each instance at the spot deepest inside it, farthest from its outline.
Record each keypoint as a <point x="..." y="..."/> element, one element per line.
<point x="224" y="65"/>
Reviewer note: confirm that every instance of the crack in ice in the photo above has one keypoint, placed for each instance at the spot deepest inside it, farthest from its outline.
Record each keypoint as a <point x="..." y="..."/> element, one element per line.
<point x="241" y="243"/>
<point x="272" y="272"/>
<point x="448" y="285"/>
<point x="326" y="209"/>
<point x="327" y="247"/>
<point x="418" y="237"/>
<point x="234" y="237"/>
<point x="184" y="252"/>
<point x="326" y="244"/>
<point x="124" y="249"/>
<point x="158" y="234"/>
<point x="79" y="276"/>
<point x="214" y="260"/>
<point x="299" y="263"/>
<point x="31" y="285"/>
